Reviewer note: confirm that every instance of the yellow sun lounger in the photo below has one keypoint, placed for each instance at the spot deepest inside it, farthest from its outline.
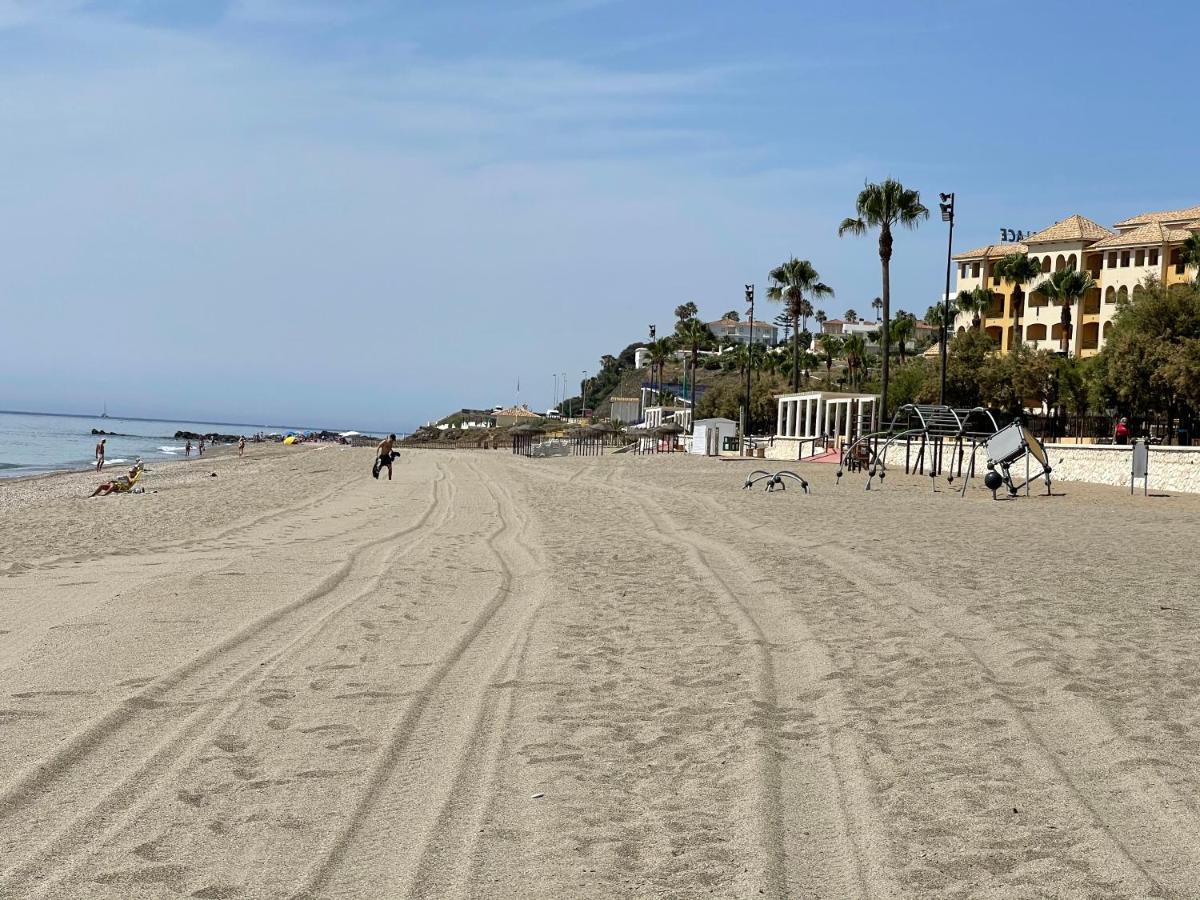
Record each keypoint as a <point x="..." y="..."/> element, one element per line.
<point x="125" y="484"/>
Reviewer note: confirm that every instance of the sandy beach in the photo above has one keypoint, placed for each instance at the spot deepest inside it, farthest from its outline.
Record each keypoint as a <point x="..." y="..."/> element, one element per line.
<point x="590" y="678"/>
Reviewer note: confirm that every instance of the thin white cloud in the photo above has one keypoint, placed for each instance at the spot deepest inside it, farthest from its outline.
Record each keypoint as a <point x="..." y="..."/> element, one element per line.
<point x="296" y="13"/>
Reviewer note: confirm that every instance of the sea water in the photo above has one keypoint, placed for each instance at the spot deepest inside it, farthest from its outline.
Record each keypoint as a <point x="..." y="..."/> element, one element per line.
<point x="35" y="443"/>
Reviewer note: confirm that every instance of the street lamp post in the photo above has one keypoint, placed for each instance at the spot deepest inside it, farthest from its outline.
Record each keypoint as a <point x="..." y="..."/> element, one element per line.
<point x="947" y="206"/>
<point x="583" y="394"/>
<point x="749" y="372"/>
<point x="554" y="402"/>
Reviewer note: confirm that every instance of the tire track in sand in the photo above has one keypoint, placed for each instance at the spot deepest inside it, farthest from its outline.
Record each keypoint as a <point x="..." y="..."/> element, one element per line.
<point x="1106" y="780"/>
<point x="832" y="819"/>
<point x="54" y="786"/>
<point x="417" y="756"/>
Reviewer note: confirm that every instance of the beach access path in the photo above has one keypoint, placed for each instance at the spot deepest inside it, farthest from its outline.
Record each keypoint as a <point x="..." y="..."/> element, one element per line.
<point x="602" y="677"/>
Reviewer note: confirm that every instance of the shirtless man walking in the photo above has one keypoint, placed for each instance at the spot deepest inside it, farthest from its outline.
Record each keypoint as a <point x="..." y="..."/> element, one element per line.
<point x="385" y="456"/>
<point x="100" y="454"/>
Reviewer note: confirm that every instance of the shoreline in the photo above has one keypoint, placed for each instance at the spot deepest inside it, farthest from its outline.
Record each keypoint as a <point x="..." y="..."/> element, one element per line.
<point x="223" y="450"/>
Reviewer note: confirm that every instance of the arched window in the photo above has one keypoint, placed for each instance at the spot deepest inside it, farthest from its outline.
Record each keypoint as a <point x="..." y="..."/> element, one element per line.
<point x="1036" y="298"/>
<point x="1071" y="264"/>
<point x="1138" y="290"/>
<point x="1056" y="331"/>
<point x="1045" y="263"/>
<point x="1110" y="294"/>
<point x="1035" y="332"/>
<point x="1107" y="329"/>
<point x="1090" y="336"/>
<point x="1122" y="294"/>
<point x="996" y="309"/>
<point x="1060" y="263"/>
<point x="962" y="329"/>
<point x="996" y="333"/>
<point x="1091" y="302"/>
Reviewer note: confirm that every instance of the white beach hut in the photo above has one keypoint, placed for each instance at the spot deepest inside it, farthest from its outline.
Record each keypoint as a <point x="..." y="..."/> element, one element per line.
<point x="708" y="435"/>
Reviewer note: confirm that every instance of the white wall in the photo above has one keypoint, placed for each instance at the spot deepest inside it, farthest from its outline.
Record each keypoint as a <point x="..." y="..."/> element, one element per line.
<point x="1171" y="468"/>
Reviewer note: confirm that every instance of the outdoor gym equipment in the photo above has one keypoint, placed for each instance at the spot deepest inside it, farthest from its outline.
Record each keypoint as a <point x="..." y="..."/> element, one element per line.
<point x="1005" y="449"/>
<point x="930" y="428"/>
<point x="774" y="480"/>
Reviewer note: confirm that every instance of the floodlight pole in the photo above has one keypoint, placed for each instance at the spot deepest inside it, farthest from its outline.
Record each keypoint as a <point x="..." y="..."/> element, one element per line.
<point x="947" y="206"/>
<point x="749" y="369"/>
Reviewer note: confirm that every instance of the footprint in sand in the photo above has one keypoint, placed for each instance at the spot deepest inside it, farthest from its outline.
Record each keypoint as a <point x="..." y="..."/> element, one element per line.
<point x="230" y="743"/>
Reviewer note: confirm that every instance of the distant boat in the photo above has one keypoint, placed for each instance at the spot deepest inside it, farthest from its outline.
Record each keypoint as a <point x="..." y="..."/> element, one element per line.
<point x="104" y="415"/>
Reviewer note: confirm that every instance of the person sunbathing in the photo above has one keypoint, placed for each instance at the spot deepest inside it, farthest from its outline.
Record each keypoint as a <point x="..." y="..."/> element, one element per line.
<point x="119" y="485"/>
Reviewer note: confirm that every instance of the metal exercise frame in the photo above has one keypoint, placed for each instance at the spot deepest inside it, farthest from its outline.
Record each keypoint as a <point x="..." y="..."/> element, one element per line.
<point x="934" y="426"/>
<point x="1005" y="449"/>
<point x="774" y="480"/>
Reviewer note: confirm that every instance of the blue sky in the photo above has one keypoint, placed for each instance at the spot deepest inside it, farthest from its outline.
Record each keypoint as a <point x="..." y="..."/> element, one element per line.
<point x="370" y="213"/>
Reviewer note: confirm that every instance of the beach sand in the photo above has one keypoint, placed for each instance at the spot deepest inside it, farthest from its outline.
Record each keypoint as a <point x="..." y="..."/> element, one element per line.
<point x="591" y="678"/>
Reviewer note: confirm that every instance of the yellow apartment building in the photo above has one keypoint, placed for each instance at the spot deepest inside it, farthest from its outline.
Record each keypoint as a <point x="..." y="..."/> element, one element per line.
<point x="1119" y="261"/>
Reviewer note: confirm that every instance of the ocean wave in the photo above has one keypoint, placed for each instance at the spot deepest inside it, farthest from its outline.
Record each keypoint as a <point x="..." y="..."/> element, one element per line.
<point x="171" y="449"/>
<point x="4" y="465"/>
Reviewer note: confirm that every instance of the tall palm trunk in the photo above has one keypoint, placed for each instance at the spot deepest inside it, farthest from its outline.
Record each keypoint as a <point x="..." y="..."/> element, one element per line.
<point x="885" y="258"/>
<point x="795" y="355"/>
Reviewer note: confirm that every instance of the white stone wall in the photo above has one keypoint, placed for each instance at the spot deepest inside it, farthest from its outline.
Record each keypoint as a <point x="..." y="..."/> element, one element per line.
<point x="1171" y="468"/>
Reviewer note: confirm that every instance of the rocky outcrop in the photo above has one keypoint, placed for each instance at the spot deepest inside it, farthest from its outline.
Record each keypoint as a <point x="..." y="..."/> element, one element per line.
<point x="211" y="437"/>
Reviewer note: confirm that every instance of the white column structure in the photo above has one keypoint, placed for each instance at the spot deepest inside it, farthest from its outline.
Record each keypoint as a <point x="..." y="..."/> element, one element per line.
<point x="849" y="422"/>
<point x="791" y="417"/>
<point x="838" y="406"/>
<point x="779" y="420"/>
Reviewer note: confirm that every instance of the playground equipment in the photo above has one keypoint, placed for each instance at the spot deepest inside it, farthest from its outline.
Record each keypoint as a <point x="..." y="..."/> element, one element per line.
<point x="1005" y="449"/>
<point x="931" y="429"/>
<point x="774" y="480"/>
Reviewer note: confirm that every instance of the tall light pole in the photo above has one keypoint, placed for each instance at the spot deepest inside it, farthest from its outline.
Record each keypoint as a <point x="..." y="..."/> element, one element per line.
<point x="554" y="402"/>
<point x="947" y="207"/>
<point x="749" y="370"/>
<point x="583" y="394"/>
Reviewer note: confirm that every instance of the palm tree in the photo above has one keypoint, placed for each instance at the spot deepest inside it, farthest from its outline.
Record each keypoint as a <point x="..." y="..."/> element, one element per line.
<point x="732" y="316"/>
<point x="694" y="334"/>
<point x="877" y="305"/>
<point x="660" y="355"/>
<point x="1066" y="286"/>
<point x="685" y="311"/>
<point x="1019" y="269"/>
<point x="820" y="316"/>
<point x="855" y="348"/>
<point x="831" y="347"/>
<point x="902" y="332"/>
<point x="789" y="283"/>
<point x="851" y="315"/>
<point x="975" y="301"/>
<point x="1189" y="254"/>
<point x="885" y="206"/>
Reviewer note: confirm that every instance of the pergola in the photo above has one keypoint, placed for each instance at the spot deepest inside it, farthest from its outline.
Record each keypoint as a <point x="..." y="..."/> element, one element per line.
<point x="816" y="415"/>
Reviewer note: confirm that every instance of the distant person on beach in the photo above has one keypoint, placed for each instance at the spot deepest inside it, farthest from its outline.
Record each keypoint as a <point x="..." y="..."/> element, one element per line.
<point x="242" y="446"/>
<point x="100" y="454"/>
<point x="117" y="484"/>
<point x="201" y="450"/>
<point x="386" y="454"/>
<point x="187" y="451"/>
<point x="1121" y="434"/>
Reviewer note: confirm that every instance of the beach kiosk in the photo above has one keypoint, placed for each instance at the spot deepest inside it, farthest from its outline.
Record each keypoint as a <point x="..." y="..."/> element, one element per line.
<point x="708" y="435"/>
<point x="815" y="422"/>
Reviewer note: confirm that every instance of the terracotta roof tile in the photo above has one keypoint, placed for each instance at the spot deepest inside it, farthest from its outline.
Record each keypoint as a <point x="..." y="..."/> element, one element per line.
<point x="1187" y="214"/>
<point x="1152" y="233"/>
<point x="1072" y="228"/>
<point x="992" y="251"/>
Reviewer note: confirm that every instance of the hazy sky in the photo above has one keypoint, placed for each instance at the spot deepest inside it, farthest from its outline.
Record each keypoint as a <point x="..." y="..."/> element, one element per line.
<point x="369" y="213"/>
